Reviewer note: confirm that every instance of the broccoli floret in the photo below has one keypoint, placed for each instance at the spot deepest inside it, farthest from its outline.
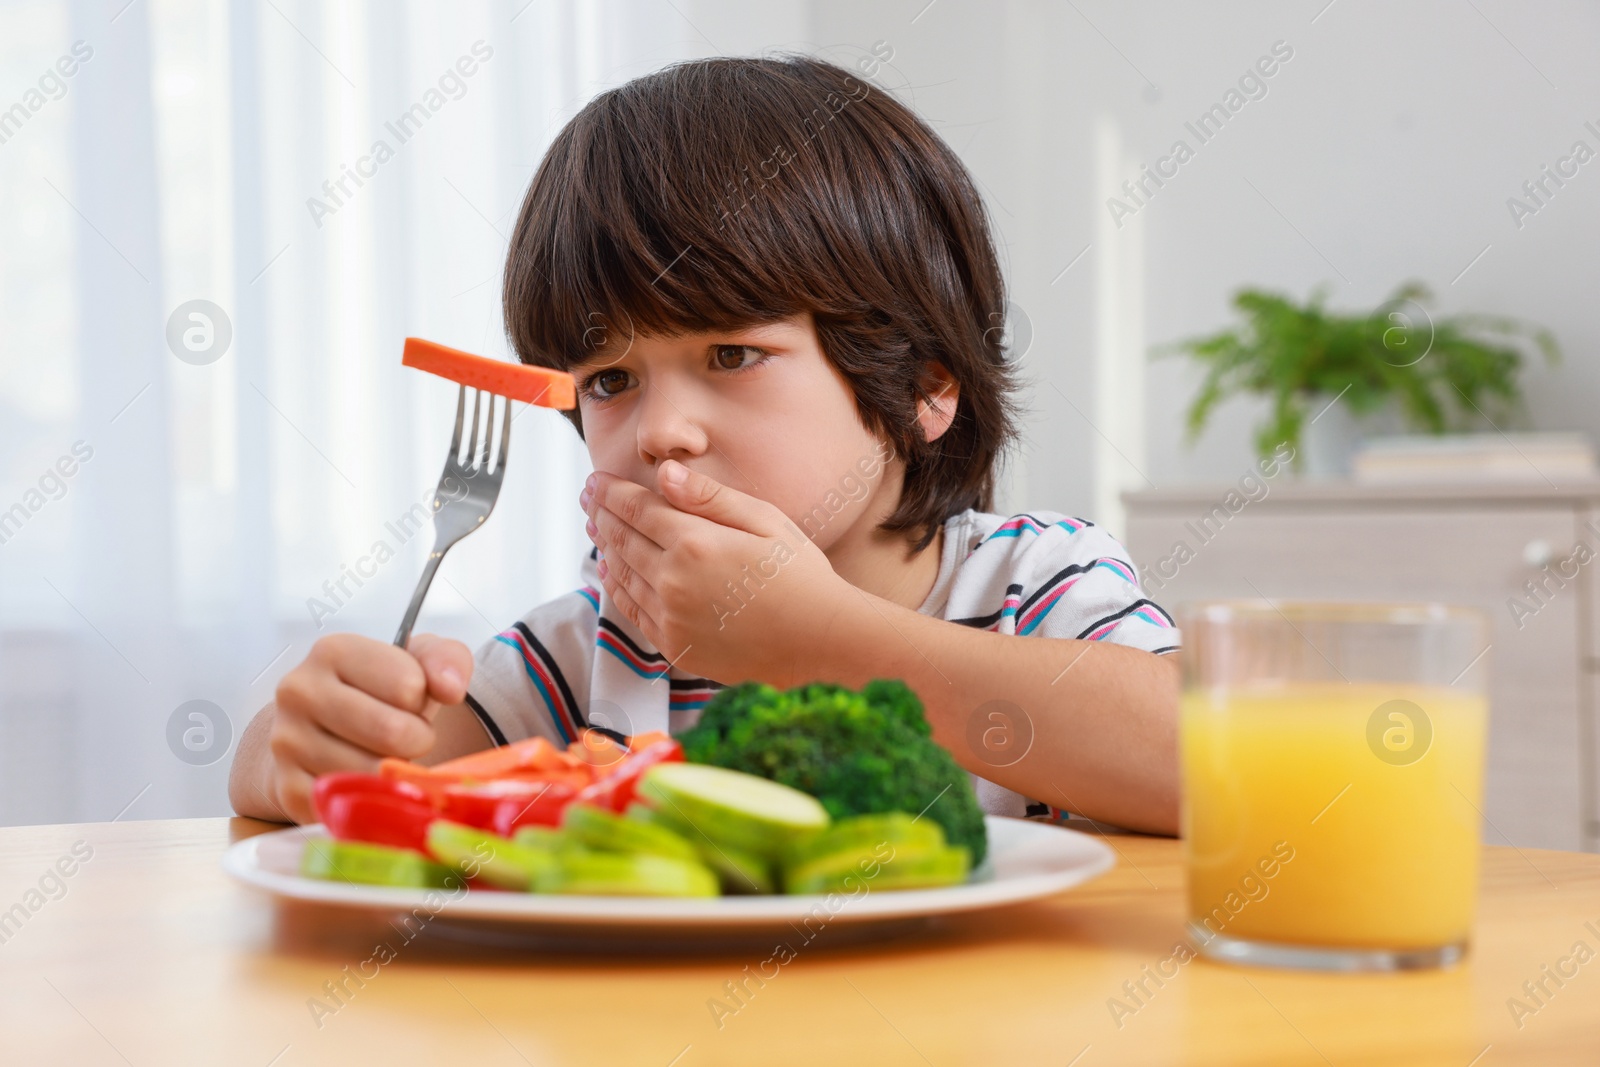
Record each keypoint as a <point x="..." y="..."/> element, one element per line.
<point x="859" y="753"/>
<point x="729" y="706"/>
<point x="896" y="700"/>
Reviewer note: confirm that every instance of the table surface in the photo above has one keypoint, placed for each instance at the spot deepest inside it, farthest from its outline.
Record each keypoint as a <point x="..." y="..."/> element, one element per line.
<point x="149" y="954"/>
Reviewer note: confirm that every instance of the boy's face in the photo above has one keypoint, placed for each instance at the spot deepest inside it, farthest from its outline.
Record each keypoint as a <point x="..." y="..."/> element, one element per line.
<point x="758" y="408"/>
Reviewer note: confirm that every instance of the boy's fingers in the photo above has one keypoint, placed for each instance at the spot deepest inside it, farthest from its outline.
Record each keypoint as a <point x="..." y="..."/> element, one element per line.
<point x="293" y="800"/>
<point x="629" y="607"/>
<point x="622" y="579"/>
<point x="316" y="751"/>
<point x="700" y="494"/>
<point x="635" y="507"/>
<point x="622" y="542"/>
<point x="392" y="675"/>
<point x="447" y="665"/>
<point x="303" y="753"/>
<point x="367" y="722"/>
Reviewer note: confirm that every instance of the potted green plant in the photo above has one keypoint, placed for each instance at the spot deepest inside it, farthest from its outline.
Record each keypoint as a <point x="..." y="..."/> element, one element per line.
<point x="1435" y="375"/>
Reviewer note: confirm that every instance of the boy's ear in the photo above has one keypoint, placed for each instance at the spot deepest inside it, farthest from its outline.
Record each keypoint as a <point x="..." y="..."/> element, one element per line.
<point x="938" y="410"/>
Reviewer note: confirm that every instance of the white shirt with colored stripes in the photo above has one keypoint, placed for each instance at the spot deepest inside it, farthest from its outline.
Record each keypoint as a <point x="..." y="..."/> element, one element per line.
<point x="576" y="661"/>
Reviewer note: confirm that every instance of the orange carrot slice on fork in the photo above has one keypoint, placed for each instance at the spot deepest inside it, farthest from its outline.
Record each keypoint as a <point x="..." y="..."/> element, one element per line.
<point x="532" y="385"/>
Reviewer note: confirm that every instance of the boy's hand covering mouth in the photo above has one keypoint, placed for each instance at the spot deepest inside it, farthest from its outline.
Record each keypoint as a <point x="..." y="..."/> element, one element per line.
<point x="722" y="583"/>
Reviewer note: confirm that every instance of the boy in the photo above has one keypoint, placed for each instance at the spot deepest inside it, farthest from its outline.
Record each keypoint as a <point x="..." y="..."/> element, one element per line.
<point x="777" y="291"/>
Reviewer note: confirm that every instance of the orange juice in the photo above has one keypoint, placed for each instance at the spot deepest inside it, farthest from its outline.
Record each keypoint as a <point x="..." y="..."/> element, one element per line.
<point x="1328" y="814"/>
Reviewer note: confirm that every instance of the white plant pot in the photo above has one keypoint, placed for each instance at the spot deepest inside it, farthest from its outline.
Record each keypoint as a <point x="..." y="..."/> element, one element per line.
<point x="1329" y="440"/>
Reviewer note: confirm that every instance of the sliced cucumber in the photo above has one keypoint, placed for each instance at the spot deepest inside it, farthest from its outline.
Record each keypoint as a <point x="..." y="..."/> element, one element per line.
<point x="638" y="811"/>
<point x="912" y="867"/>
<point x="863" y="834"/>
<point x="738" y="871"/>
<point x="364" y="864"/>
<point x="605" y="832"/>
<point x="546" y="838"/>
<point x="478" y="853"/>
<point x="582" y="872"/>
<point x="732" y="808"/>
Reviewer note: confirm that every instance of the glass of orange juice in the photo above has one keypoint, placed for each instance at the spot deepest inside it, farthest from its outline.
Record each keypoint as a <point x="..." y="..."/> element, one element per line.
<point x="1333" y="780"/>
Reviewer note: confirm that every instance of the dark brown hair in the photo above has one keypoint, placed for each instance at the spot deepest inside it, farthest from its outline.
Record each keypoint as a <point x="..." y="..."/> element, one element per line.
<point x="729" y="192"/>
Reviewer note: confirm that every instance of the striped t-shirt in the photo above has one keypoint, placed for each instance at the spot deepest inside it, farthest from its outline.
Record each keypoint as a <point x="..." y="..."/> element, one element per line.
<point x="577" y="661"/>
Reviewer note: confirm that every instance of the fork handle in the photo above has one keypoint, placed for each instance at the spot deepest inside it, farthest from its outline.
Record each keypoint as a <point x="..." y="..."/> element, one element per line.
<point x="428" y="570"/>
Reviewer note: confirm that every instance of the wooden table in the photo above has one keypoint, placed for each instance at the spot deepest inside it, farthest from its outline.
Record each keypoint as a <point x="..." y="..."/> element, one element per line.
<point x="153" y="956"/>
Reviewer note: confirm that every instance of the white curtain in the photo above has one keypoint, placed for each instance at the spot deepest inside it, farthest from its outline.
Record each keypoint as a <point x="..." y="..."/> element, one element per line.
<point x="167" y="524"/>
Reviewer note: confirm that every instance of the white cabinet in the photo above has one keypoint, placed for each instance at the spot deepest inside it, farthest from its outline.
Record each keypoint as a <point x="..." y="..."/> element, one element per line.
<point x="1478" y="546"/>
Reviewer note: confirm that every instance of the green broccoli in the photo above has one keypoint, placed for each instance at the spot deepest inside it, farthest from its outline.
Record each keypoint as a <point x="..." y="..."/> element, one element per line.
<point x="859" y="753"/>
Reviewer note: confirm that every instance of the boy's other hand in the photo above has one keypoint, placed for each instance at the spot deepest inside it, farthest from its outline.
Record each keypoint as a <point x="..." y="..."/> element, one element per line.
<point x="355" y="700"/>
<point x="670" y="558"/>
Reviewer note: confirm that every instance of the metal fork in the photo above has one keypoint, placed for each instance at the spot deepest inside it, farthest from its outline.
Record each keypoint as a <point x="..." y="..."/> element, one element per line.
<point x="466" y="494"/>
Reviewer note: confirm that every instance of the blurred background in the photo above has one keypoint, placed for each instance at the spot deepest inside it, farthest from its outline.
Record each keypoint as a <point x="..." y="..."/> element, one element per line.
<point x="204" y="422"/>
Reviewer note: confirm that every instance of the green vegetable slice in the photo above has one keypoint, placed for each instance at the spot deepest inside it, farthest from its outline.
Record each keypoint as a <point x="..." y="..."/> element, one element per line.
<point x="738" y="871"/>
<point x="731" y="808"/>
<point x="603" y="831"/>
<point x="478" y="853"/>
<point x="360" y="863"/>
<point x="581" y="872"/>
<point x="910" y="867"/>
<point x="860" y="833"/>
<point x="547" y="838"/>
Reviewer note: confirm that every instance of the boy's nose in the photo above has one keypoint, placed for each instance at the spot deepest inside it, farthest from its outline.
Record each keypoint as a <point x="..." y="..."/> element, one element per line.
<point x="666" y="430"/>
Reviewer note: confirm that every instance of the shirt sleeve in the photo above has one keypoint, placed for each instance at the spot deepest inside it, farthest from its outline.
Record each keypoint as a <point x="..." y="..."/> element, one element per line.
<point x="1082" y="584"/>
<point x="1050" y="575"/>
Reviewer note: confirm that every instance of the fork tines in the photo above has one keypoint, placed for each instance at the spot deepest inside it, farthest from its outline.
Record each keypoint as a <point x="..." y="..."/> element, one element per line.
<point x="466" y="462"/>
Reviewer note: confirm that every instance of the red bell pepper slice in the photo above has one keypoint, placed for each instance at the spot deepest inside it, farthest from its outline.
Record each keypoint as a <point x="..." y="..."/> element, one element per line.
<point x="339" y="783"/>
<point x="616" y="790"/>
<point x="379" y="819"/>
<point x="475" y="803"/>
<point x="544" y="809"/>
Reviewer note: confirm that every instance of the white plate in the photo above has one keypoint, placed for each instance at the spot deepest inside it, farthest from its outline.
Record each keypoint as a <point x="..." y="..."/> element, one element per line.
<point x="1027" y="860"/>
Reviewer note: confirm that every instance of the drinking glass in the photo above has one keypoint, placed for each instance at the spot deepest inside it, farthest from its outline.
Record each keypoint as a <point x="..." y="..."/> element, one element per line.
<point x="1333" y="780"/>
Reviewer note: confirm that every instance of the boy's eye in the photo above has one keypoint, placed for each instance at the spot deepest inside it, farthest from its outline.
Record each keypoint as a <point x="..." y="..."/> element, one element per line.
<point x="595" y="385"/>
<point x="736" y="357"/>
